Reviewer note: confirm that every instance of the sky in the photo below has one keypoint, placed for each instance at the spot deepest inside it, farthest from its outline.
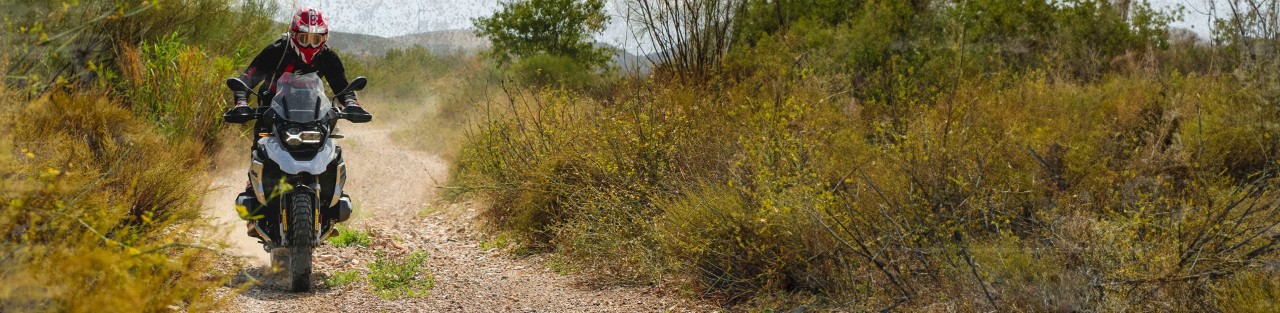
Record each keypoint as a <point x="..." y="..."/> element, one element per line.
<point x="390" y="18"/>
<point x="1195" y="15"/>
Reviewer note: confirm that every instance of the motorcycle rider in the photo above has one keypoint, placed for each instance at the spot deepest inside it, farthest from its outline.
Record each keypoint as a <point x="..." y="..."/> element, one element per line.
<point x="303" y="50"/>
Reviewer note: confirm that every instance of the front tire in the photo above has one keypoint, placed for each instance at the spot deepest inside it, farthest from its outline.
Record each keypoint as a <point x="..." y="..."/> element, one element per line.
<point x="301" y="232"/>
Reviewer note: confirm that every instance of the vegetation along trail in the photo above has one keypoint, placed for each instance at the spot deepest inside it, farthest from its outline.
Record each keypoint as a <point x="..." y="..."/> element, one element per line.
<point x="731" y="155"/>
<point x="398" y="210"/>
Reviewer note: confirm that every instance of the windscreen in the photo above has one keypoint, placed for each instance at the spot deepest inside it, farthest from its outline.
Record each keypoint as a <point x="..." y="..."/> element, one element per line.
<point x="300" y="98"/>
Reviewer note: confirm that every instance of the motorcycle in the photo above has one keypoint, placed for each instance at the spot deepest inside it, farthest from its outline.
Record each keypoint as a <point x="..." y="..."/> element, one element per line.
<point x="297" y="172"/>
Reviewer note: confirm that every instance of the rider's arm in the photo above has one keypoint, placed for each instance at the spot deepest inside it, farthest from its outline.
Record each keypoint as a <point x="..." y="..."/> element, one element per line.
<point x="332" y="70"/>
<point x="261" y="68"/>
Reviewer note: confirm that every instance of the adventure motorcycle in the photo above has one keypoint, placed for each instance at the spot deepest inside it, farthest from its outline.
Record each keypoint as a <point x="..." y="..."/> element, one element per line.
<point x="297" y="172"/>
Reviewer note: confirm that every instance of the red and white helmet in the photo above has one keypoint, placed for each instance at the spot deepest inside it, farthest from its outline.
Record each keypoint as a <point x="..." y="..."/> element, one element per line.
<point x="308" y="33"/>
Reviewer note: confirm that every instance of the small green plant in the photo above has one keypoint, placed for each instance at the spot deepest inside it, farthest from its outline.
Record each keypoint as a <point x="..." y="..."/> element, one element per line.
<point x="342" y="278"/>
<point x="350" y="237"/>
<point x="499" y="242"/>
<point x="400" y="278"/>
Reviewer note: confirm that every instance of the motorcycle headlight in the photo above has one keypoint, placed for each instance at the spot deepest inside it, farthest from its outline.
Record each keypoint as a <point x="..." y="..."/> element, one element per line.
<point x="294" y="136"/>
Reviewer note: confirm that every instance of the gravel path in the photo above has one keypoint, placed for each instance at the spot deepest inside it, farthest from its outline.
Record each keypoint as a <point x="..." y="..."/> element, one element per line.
<point x="395" y="197"/>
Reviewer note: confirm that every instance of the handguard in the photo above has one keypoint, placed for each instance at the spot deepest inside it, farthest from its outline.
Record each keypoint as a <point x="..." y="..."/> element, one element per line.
<point x="239" y="115"/>
<point x="356" y="114"/>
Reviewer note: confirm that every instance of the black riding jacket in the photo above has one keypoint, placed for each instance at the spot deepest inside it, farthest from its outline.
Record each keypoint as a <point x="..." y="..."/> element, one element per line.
<point x="279" y="57"/>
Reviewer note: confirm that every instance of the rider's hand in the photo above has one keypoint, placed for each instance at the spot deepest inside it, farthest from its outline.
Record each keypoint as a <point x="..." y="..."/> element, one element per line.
<point x="355" y="113"/>
<point x="239" y="114"/>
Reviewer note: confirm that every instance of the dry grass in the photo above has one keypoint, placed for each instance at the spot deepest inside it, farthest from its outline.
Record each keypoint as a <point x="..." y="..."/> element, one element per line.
<point x="1016" y="192"/>
<point x="103" y="163"/>
<point x="98" y="211"/>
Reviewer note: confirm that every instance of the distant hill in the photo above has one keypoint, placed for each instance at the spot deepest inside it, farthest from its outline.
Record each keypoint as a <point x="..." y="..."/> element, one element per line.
<point x="626" y="62"/>
<point x="439" y="42"/>
<point x="362" y="45"/>
<point x="454" y="41"/>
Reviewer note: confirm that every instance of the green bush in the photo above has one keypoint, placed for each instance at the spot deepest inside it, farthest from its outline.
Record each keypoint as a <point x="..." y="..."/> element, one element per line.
<point x="439" y="91"/>
<point x="402" y="75"/>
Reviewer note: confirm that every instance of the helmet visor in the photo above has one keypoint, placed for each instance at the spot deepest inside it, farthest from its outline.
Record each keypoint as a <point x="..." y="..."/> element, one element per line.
<point x="310" y="40"/>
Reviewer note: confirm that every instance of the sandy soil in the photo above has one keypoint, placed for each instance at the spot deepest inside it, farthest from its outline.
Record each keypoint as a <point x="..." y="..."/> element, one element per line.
<point x="395" y="193"/>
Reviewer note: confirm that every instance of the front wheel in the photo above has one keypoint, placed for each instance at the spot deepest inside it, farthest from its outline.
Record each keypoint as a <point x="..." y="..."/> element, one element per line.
<point x="301" y="231"/>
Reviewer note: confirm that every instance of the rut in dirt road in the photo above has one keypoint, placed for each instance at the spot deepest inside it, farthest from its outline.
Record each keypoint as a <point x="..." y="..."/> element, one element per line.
<point x="394" y="191"/>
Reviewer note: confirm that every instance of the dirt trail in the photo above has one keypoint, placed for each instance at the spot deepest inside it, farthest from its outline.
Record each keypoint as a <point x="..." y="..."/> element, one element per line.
<point x="393" y="188"/>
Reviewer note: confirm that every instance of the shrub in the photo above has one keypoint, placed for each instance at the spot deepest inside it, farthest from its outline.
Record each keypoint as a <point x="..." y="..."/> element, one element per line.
<point x="402" y="75"/>
<point x="689" y="39"/>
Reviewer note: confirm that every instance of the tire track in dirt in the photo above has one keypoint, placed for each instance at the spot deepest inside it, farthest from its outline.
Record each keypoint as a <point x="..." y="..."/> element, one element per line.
<point x="394" y="190"/>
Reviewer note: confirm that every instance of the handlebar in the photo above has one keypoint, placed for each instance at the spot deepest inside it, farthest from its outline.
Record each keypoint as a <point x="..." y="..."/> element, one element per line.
<point x="238" y="115"/>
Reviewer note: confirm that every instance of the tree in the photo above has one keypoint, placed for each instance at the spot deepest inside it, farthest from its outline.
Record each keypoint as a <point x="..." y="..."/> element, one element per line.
<point x="691" y="36"/>
<point x="559" y="28"/>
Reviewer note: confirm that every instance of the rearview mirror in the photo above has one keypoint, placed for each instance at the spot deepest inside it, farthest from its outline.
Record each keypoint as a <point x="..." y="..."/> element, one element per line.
<point x="238" y="85"/>
<point x="356" y="85"/>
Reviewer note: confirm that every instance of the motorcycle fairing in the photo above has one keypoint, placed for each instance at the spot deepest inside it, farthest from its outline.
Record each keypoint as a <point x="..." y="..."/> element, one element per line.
<point x="255" y="177"/>
<point x="264" y="176"/>
<point x="293" y="166"/>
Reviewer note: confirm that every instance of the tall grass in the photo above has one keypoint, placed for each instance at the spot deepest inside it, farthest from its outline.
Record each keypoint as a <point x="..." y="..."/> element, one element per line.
<point x="98" y="208"/>
<point x="103" y="159"/>
<point x="177" y="87"/>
